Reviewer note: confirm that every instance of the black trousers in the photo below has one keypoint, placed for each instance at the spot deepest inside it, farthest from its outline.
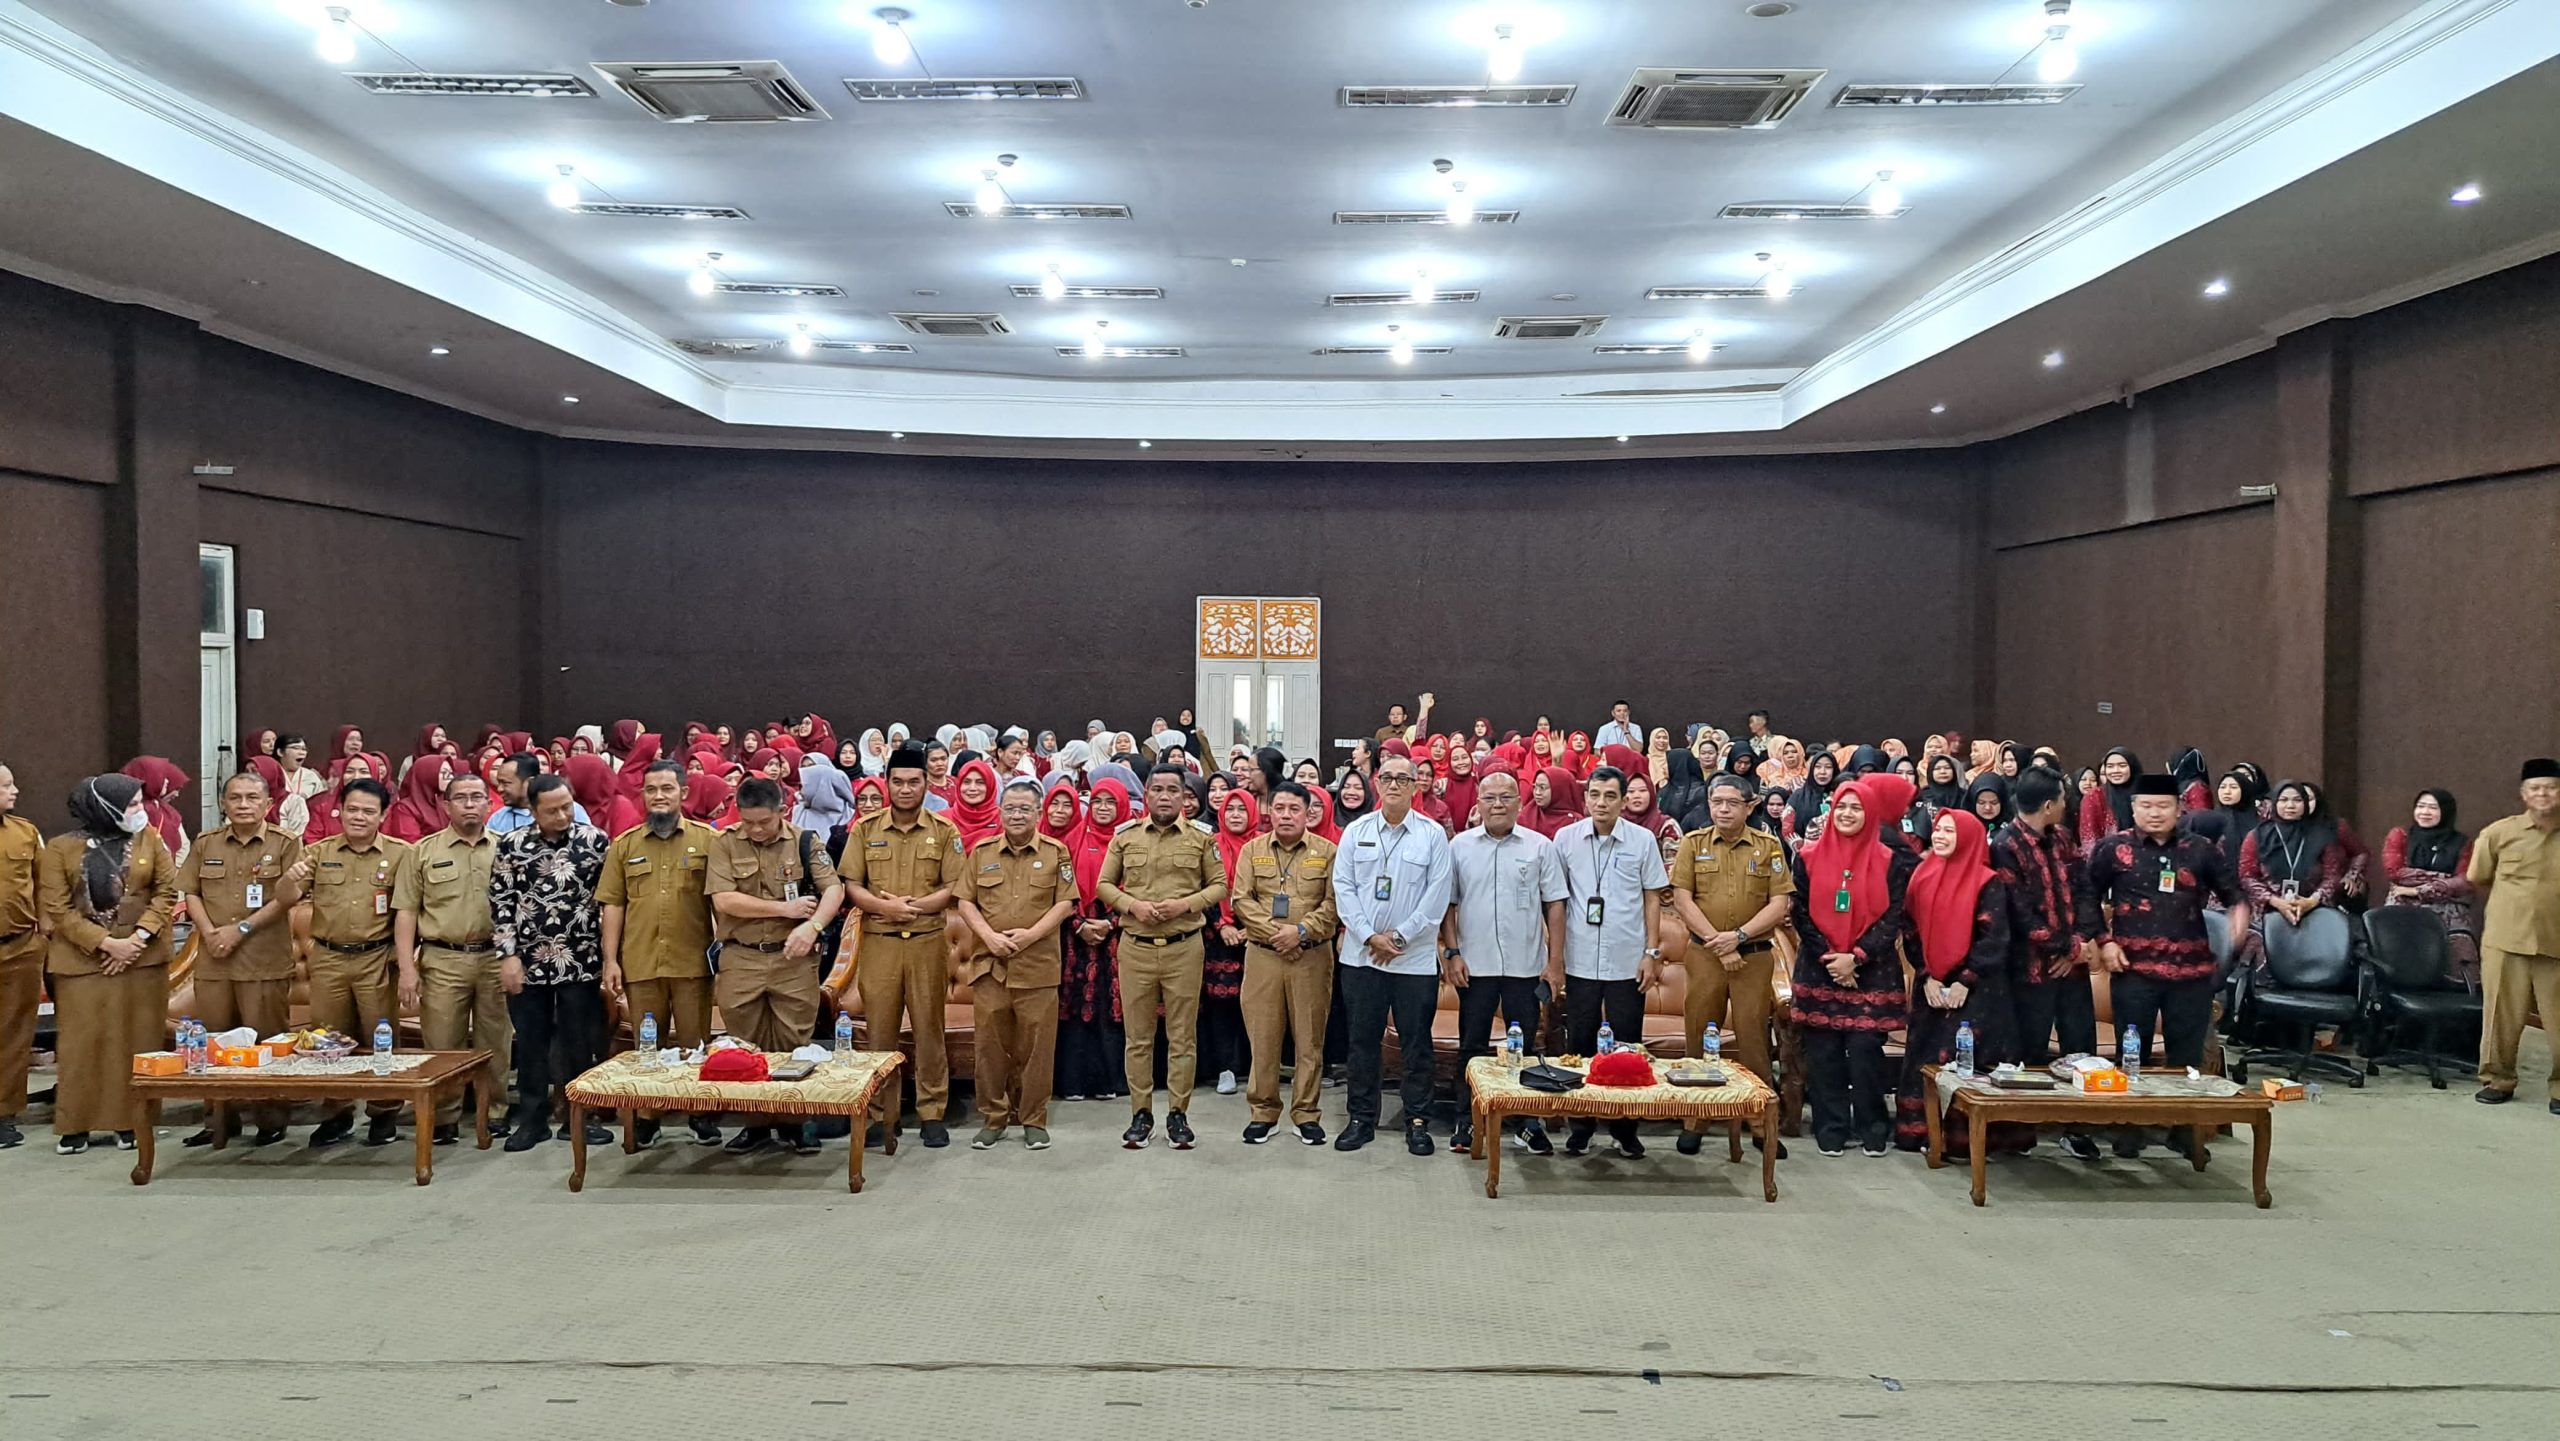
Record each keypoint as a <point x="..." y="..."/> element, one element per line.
<point x="2182" y="1010"/>
<point x="571" y="1014"/>
<point x="2066" y="1005"/>
<point x="1516" y="997"/>
<point x="1586" y="1004"/>
<point x="1369" y="997"/>
<point x="1845" y="1087"/>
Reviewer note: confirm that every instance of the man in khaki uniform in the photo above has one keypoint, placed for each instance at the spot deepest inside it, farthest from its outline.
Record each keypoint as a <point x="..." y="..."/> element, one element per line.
<point x="657" y="924"/>
<point x="772" y="891"/>
<point x="1283" y="902"/>
<point x="21" y="955"/>
<point x="1015" y="890"/>
<point x="240" y="884"/>
<point x="1731" y="887"/>
<point x="440" y="931"/>
<point x="901" y="868"/>
<point x="2517" y="860"/>
<point x="1161" y="876"/>
<point x="353" y="874"/>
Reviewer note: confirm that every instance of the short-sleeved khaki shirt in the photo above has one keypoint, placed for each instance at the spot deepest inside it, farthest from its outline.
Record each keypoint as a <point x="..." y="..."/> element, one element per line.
<point x="224" y="873"/>
<point x="1731" y="880"/>
<point x="662" y="885"/>
<point x="351" y="890"/>
<point x="886" y="858"/>
<point x="2520" y="864"/>
<point x="768" y="872"/>
<point x="1149" y="862"/>
<point x="447" y="883"/>
<point x="1014" y="889"/>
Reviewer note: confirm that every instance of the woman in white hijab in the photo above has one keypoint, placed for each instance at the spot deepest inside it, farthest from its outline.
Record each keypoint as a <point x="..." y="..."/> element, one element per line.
<point x="1072" y="759"/>
<point x="874" y="751"/>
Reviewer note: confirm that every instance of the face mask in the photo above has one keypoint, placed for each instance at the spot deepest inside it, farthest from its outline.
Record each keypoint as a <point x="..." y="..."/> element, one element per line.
<point x="133" y="822"/>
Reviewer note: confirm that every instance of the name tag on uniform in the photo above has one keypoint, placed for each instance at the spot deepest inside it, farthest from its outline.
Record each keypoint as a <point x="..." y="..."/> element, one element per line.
<point x="791" y="890"/>
<point x="382" y="903"/>
<point x="2292" y="890"/>
<point x="877" y="845"/>
<point x="989" y="866"/>
<point x="254" y="896"/>
<point x="2168" y="879"/>
<point x="1384" y="889"/>
<point x="1594" y="909"/>
<point x="1279" y="908"/>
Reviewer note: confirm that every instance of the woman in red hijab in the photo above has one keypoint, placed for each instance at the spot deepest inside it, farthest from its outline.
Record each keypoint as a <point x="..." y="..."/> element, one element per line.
<point x="1426" y="793"/>
<point x="973" y="803"/>
<point x="1847" y="986"/>
<point x="1960" y="930"/>
<point x="1641" y="808"/>
<point x="1321" y="822"/>
<point x="324" y="806"/>
<point x="419" y="812"/>
<point x="1222" y="1048"/>
<point x="592" y="783"/>
<point x="271" y="771"/>
<point x="636" y="760"/>
<point x="1090" y="1037"/>
<point x="161" y="781"/>
<point x="619" y="741"/>
<point x="1061" y="812"/>
<point x="706" y="799"/>
<point x="1578" y="756"/>
<point x="871" y="797"/>
<point x="1458" y="787"/>
<point x="1555" y="801"/>
<point x="431" y="740"/>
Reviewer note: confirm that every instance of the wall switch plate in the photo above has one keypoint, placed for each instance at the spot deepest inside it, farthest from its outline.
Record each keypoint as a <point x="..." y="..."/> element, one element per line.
<point x="2106" y="707"/>
<point x="253" y="624"/>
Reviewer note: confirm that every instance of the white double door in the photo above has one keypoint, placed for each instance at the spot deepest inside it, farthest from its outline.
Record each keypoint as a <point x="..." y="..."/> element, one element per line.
<point x="1259" y="703"/>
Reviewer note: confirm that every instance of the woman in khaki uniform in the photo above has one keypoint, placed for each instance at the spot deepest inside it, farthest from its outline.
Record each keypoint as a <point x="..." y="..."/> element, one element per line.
<point x="107" y="891"/>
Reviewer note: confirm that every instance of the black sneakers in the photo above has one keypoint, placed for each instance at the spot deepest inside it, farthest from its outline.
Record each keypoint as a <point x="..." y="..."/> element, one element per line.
<point x="1355" y="1134"/>
<point x="1533" y="1139"/>
<point x="1309" y="1133"/>
<point x="1689" y="1143"/>
<point x="934" y="1134"/>
<point x="1259" y="1132"/>
<point x="333" y="1130"/>
<point x="748" y="1141"/>
<point x="1177" y="1129"/>
<point x="2080" y="1147"/>
<point x="1141" y="1127"/>
<point x="382" y="1130"/>
<point x="706" y="1132"/>
<point x="1417" y="1138"/>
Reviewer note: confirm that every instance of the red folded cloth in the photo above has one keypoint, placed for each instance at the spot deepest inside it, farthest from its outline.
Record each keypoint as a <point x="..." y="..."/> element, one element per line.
<point x="736" y="1065"/>
<point x="1620" y="1068"/>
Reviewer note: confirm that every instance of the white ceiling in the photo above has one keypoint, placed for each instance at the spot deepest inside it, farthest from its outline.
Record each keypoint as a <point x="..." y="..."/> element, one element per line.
<point x="1220" y="128"/>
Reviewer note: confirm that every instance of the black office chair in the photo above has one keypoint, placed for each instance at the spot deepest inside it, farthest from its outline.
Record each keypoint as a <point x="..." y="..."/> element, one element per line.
<point x="2410" y="970"/>
<point x="2310" y="980"/>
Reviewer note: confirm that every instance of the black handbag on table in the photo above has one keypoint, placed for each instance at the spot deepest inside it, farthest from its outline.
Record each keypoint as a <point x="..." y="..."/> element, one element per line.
<point x="1544" y="1077"/>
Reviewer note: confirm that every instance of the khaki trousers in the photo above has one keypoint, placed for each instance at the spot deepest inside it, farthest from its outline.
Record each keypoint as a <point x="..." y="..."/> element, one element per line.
<point x="263" y="1006"/>
<point x="21" y="981"/>
<point x="1286" y="997"/>
<point x="1167" y="976"/>
<point x="1740" y="1000"/>
<point x="682" y="1005"/>
<point x="352" y="995"/>
<point x="767" y="998"/>
<point x="100" y="1021"/>
<point x="463" y="1007"/>
<point x="909" y="977"/>
<point x="2510" y="984"/>
<point x="1017" y="1051"/>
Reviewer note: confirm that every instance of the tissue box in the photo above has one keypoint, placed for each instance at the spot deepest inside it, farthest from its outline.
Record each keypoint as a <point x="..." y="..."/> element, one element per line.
<point x="277" y="1050"/>
<point x="2280" y="1088"/>
<point x="159" y="1063"/>
<point x="248" y="1056"/>
<point x="2109" y="1079"/>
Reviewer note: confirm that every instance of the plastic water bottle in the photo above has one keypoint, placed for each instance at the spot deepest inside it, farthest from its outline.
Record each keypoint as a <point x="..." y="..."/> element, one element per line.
<point x="2129" y="1053"/>
<point x="844" y="1035"/>
<point x="1515" y="1048"/>
<point x="647" y="1036"/>
<point x="1608" y="1039"/>
<point x="191" y="1045"/>
<point x="382" y="1048"/>
<point x="1711" y="1044"/>
<point x="1964" y="1049"/>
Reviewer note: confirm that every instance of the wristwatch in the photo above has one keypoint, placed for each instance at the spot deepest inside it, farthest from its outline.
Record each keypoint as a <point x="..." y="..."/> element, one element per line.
<point x="1653" y="953"/>
<point x="247" y="929"/>
<point x="1449" y="953"/>
<point x="1398" y="938"/>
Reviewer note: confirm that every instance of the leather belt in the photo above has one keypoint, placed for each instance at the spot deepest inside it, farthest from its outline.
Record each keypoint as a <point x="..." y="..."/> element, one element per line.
<point x="1167" y="940"/>
<point x="1748" y="948"/>
<point x="767" y="947"/>
<point x="466" y="947"/>
<point x="907" y="935"/>
<point x="365" y="949"/>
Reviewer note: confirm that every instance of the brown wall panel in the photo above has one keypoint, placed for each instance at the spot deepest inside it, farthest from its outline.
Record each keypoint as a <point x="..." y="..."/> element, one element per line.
<point x="2211" y="435"/>
<point x="2182" y="449"/>
<point x="2166" y="622"/>
<point x="383" y="623"/>
<point x="53" y="640"/>
<point x="57" y="382"/>
<point x="2461" y="664"/>
<point x="719" y="584"/>
<point x="2458" y="384"/>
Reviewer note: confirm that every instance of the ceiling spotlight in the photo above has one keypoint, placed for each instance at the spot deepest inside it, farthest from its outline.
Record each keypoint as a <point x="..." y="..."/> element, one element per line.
<point x="1146" y="445"/>
<point x="2216" y="288"/>
<point x="1462" y="206"/>
<point x="1422" y="291"/>
<point x="1093" y="340"/>
<point x="1886" y="197"/>
<point x="562" y="192"/>
<point x="801" y="341"/>
<point x="2053" y="360"/>
<point x="1938" y="409"/>
<point x="439" y="350"/>
<point x="1778" y="283"/>
<point x="336" y="41"/>
<point x="2469" y="194"/>
<point x="1503" y="56"/>
<point x="1699" y="349"/>
<point x="704" y="278"/>
<point x="1053" y="286"/>
<point x="2058" y="59"/>
<point x="1622" y="440"/>
<point x="1399" y="349"/>
<point x="889" y="43"/>
<point x="568" y="400"/>
<point x="992" y="198"/>
<point x="897" y="435"/>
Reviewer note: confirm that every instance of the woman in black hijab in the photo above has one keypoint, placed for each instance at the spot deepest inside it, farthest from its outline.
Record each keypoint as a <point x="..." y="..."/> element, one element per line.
<point x="1684" y="795"/>
<point x="107" y="891"/>
<point x="2293" y="865"/>
<point x="2427" y="863"/>
<point x="2109" y="808"/>
<point x="1941" y="782"/>
<point x="2189" y="771"/>
<point x="1988" y="799"/>
<point x="1810" y="799"/>
<point x="1771" y="813"/>
<point x="2236" y="799"/>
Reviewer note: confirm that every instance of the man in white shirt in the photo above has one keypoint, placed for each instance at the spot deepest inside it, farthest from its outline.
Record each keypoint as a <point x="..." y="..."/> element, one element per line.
<point x="1502" y="942"/>
<point x="1618" y="730"/>
<point x="1615" y="883"/>
<point x="1390" y="888"/>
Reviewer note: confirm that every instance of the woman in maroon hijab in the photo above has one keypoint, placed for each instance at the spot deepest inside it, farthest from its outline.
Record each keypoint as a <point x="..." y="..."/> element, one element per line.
<point x="161" y="781"/>
<point x="419" y="812"/>
<point x="1555" y="801"/>
<point x="591" y="782"/>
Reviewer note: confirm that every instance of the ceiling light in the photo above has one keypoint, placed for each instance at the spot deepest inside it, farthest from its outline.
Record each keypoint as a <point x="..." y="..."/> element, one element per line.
<point x="1778" y="283"/>
<point x="439" y="350"/>
<point x="1399" y="349"/>
<point x="1093" y="340"/>
<point x="889" y="43"/>
<point x="1503" y="57"/>
<point x="704" y="279"/>
<point x="2053" y="360"/>
<point x="336" y="41"/>
<point x="2469" y="193"/>
<point x="1768" y="9"/>
<point x="1938" y="409"/>
<point x="1622" y="440"/>
<point x="1462" y="206"/>
<point x="1699" y="347"/>
<point x="992" y="200"/>
<point x="1146" y="445"/>
<point x="2058" y="59"/>
<point x="801" y="341"/>
<point x="568" y="400"/>
<point x="1422" y="291"/>
<point x="2216" y="288"/>
<point x="1886" y="197"/>
<point x="897" y="435"/>
<point x="1053" y="286"/>
<point x="562" y="192"/>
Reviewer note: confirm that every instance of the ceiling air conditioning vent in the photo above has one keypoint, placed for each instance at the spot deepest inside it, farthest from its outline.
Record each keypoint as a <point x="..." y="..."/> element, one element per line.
<point x="868" y="347"/>
<point x="1419" y="217"/>
<point x="1368" y="97"/>
<point x="1061" y="87"/>
<point x="1710" y="292"/>
<point x="721" y="92"/>
<point x="1876" y="96"/>
<point x="1379" y="350"/>
<point x="1547" y="327"/>
<point x="1094" y="292"/>
<point x="735" y="349"/>
<point x="1402" y="297"/>
<point x="528" y="87"/>
<point x="951" y="326"/>
<point x="1131" y="352"/>
<point x="1667" y="99"/>
<point x="772" y="289"/>
<point x="1677" y="347"/>
<point x="1808" y="210"/>
<point x="720" y="349"/>
<point x="634" y="210"/>
<point x="967" y="211"/>
<point x="1756" y="387"/>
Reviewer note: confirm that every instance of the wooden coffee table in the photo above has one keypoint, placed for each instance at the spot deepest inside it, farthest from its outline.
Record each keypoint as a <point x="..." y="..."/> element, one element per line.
<point x="1743" y="1099"/>
<point x="626" y="1086"/>
<point x="1985" y="1105"/>
<point x="222" y="1090"/>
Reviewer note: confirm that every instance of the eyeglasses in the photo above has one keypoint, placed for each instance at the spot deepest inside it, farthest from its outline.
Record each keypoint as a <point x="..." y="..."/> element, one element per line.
<point x="1396" y="778"/>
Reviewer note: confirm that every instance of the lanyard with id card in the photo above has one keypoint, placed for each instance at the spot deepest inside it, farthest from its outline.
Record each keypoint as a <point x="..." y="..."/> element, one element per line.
<point x="254" y="895"/>
<point x="2168" y="877"/>
<point x="1840" y="897"/>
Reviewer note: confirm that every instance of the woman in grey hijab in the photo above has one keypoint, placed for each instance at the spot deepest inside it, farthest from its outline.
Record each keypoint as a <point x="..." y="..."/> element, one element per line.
<point x="826" y="798"/>
<point x="108" y="892"/>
